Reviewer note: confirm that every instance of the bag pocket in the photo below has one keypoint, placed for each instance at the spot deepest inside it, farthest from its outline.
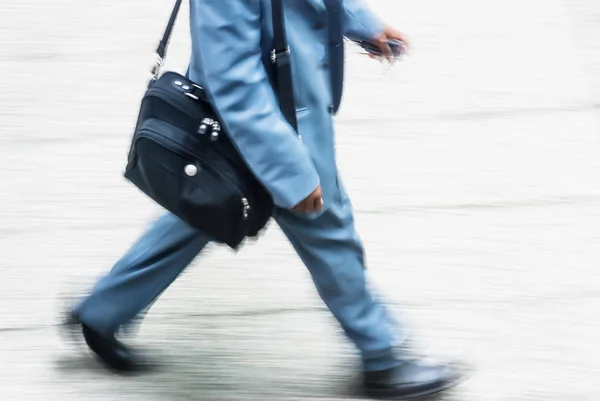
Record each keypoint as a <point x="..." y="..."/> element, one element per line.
<point x="186" y="184"/>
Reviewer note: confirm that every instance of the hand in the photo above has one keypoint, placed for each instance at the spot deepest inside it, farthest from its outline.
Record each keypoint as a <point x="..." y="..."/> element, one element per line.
<point x="381" y="41"/>
<point x="313" y="203"/>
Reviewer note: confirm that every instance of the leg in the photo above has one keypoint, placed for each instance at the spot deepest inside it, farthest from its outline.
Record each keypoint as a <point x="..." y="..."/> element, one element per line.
<point x="141" y="275"/>
<point x="332" y="251"/>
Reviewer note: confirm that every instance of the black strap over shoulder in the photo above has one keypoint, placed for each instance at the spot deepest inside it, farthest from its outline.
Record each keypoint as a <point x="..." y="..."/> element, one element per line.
<point x="280" y="57"/>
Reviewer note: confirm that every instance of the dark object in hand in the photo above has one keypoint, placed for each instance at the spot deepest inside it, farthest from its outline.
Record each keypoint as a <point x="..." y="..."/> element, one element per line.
<point x="398" y="47"/>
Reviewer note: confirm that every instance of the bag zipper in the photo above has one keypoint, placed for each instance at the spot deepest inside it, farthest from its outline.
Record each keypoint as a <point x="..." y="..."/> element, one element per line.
<point x="173" y="146"/>
<point x="174" y="101"/>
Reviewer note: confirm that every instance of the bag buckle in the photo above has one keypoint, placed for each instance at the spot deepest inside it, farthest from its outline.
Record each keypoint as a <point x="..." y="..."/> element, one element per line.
<point x="155" y="71"/>
<point x="275" y="55"/>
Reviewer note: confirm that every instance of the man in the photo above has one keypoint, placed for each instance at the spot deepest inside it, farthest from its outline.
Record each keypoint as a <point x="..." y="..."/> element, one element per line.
<point x="231" y="39"/>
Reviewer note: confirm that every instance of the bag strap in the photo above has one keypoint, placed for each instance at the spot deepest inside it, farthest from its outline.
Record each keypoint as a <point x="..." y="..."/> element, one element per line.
<point x="280" y="58"/>
<point x="161" y="50"/>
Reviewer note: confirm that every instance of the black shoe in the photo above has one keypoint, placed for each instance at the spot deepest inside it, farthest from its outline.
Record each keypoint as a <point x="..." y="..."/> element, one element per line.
<point x="411" y="380"/>
<point x="112" y="353"/>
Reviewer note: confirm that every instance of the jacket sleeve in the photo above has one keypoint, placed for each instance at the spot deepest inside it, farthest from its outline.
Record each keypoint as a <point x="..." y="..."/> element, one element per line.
<point x="360" y="23"/>
<point x="226" y="41"/>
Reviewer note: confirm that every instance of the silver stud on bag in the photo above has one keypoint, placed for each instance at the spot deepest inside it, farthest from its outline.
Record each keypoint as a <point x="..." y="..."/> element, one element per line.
<point x="190" y="170"/>
<point x="178" y="83"/>
<point x="214" y="136"/>
<point x="202" y="129"/>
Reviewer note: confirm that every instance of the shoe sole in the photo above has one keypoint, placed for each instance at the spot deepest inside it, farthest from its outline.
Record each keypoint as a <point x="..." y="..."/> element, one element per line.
<point x="392" y="395"/>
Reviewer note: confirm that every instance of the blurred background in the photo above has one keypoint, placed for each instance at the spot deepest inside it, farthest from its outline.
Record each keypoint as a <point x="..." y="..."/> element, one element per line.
<point x="474" y="167"/>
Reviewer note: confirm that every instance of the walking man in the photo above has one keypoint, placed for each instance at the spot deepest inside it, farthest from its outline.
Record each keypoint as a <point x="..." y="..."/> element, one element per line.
<point x="231" y="39"/>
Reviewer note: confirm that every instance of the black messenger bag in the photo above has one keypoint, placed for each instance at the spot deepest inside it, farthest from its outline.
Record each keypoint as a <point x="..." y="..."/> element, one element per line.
<point x="181" y="157"/>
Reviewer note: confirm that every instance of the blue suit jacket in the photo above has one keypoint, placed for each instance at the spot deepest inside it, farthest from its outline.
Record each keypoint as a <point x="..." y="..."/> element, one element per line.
<point x="231" y="45"/>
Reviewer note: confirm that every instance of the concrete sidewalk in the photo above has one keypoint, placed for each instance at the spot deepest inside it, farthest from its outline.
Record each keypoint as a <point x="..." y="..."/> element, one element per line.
<point x="474" y="168"/>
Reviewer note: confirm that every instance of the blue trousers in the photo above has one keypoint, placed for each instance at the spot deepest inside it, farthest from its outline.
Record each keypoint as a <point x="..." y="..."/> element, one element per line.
<point x="328" y="245"/>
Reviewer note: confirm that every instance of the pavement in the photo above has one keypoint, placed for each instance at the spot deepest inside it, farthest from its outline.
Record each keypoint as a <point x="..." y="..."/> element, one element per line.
<point x="474" y="168"/>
